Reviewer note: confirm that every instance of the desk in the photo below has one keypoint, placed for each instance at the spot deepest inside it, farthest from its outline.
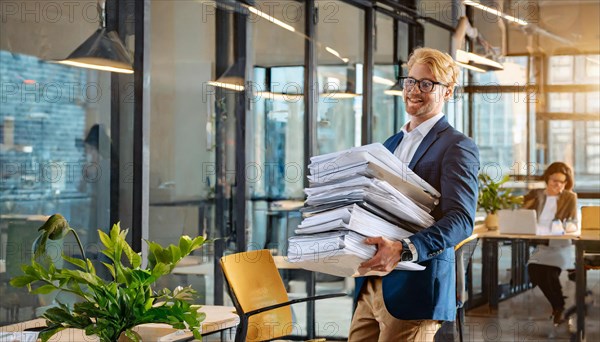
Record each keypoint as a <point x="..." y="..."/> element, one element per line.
<point x="589" y="240"/>
<point x="279" y="228"/>
<point x="218" y="318"/>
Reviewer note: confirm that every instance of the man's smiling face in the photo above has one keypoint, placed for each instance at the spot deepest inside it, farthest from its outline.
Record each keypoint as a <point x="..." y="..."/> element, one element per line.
<point x="423" y="106"/>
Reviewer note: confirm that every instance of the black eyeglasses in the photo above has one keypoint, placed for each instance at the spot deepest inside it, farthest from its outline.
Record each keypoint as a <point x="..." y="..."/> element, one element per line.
<point x="425" y="85"/>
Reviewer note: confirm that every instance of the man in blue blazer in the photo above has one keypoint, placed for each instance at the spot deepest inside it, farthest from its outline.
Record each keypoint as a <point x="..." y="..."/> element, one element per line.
<point x="408" y="305"/>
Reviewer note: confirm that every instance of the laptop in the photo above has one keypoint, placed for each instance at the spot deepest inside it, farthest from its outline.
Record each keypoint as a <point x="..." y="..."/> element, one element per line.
<point x="518" y="221"/>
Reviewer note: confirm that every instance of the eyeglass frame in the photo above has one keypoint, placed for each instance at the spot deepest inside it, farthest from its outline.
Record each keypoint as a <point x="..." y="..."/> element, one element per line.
<point x="554" y="180"/>
<point x="418" y="82"/>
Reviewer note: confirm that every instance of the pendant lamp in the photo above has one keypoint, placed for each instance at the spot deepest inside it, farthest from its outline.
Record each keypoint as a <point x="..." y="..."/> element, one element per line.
<point x="103" y="50"/>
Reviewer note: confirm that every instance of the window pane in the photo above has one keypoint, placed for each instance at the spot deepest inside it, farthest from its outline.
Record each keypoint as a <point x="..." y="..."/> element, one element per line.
<point x="385" y="106"/>
<point x="182" y="121"/>
<point x="560" y="70"/>
<point x="340" y="78"/>
<point x="340" y="33"/>
<point x="514" y="73"/>
<point x="278" y="144"/>
<point x="592" y="150"/>
<point x="276" y="126"/>
<point x="437" y="37"/>
<point x="55" y="156"/>
<point x="560" y="102"/>
<point x="591" y="69"/>
<point x="581" y="150"/>
<point x="560" y="138"/>
<point x="384" y="120"/>
<point x="500" y="122"/>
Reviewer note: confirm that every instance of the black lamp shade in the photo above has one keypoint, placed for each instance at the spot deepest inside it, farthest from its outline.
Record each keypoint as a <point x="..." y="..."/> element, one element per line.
<point x="103" y="50"/>
<point x="396" y="89"/>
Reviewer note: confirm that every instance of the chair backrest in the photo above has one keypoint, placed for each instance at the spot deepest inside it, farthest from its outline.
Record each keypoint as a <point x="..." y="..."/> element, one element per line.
<point x="19" y="246"/>
<point x="254" y="283"/>
<point x="19" y="250"/>
<point x="590" y="217"/>
<point x="463" y="252"/>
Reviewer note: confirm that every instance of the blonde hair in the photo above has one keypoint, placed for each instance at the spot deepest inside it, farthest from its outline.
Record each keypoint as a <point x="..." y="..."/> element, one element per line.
<point x="441" y="65"/>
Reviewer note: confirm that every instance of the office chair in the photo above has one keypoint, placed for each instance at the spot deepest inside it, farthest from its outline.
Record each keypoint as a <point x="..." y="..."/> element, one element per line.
<point x="20" y="237"/>
<point x="462" y="255"/>
<point x="259" y="296"/>
<point x="590" y="218"/>
<point x="590" y="221"/>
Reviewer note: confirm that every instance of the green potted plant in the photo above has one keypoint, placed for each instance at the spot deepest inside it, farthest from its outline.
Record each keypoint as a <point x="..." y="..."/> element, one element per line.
<point x="493" y="197"/>
<point x="110" y="309"/>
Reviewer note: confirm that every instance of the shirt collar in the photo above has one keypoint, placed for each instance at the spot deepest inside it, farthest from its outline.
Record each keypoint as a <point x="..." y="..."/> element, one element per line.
<point x="424" y="127"/>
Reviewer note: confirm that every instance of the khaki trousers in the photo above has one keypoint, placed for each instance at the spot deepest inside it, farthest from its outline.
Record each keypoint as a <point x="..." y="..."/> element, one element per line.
<point x="372" y="321"/>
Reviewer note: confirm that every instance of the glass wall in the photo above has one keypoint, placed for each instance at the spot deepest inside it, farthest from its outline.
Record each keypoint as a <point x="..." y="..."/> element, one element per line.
<point x="571" y="129"/>
<point x="182" y="133"/>
<point x="500" y="132"/>
<point x="55" y="147"/>
<point x="563" y="118"/>
<point x="220" y="89"/>
<point x="500" y="118"/>
<point x="386" y="108"/>
<point x="340" y="56"/>
<point x="275" y="136"/>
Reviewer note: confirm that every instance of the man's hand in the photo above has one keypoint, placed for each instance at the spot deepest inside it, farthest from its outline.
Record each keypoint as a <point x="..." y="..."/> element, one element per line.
<point x="387" y="256"/>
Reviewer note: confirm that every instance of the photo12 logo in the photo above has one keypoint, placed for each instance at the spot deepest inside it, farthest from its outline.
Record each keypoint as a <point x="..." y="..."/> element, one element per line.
<point x="53" y="11"/>
<point x="283" y="13"/>
<point x="29" y="91"/>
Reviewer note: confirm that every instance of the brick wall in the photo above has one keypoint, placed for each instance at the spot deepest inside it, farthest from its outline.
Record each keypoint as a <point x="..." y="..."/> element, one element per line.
<point x="46" y="104"/>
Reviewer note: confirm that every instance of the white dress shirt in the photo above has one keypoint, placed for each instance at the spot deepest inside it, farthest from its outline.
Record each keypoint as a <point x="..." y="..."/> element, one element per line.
<point x="558" y="253"/>
<point x="406" y="150"/>
<point x="411" y="140"/>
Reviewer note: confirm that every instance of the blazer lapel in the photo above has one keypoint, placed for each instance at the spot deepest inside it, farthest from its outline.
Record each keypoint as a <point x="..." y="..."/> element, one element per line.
<point x="393" y="142"/>
<point x="429" y="139"/>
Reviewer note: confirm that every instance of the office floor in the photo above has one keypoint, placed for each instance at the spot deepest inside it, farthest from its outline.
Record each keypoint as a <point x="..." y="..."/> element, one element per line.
<point x="522" y="318"/>
<point x="525" y="317"/>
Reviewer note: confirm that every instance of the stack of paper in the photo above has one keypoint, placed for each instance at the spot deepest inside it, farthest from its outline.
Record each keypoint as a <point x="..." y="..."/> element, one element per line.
<point x="376" y="161"/>
<point x="358" y="193"/>
<point x="338" y="253"/>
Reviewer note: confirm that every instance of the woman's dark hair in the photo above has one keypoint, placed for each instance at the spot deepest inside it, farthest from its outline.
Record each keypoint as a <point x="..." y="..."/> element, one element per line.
<point x="560" y="167"/>
<point x="97" y="136"/>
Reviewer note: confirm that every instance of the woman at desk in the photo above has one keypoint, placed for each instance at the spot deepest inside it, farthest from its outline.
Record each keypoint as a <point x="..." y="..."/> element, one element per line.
<point x="555" y="202"/>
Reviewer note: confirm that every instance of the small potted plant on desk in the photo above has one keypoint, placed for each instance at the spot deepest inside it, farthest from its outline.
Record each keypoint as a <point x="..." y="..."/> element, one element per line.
<point x="493" y="197"/>
<point x="110" y="309"/>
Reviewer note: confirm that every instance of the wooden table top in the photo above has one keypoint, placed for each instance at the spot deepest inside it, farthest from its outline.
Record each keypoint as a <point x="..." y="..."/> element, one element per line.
<point x="589" y="235"/>
<point x="217" y="318"/>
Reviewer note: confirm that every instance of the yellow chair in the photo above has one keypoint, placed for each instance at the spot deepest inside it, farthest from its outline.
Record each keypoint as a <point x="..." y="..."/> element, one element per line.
<point x="590" y="217"/>
<point x="462" y="255"/>
<point x="259" y="296"/>
<point x="590" y="221"/>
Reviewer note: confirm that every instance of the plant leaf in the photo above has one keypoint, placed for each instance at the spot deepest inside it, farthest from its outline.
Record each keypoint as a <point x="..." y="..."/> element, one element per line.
<point x="21" y="281"/>
<point x="107" y="308"/>
<point x="46" y="334"/>
<point x="45" y="289"/>
<point x="77" y="262"/>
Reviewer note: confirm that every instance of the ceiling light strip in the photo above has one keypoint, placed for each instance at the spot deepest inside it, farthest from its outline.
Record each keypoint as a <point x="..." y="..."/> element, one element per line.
<point x="494" y="11"/>
<point x="271" y="19"/>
